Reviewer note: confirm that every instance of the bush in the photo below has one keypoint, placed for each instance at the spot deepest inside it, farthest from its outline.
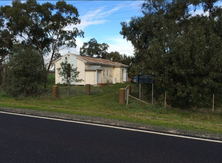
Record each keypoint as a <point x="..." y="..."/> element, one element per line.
<point x="23" y="72"/>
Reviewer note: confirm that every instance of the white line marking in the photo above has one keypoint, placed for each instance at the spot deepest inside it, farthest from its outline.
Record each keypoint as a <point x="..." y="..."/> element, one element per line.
<point x="115" y="127"/>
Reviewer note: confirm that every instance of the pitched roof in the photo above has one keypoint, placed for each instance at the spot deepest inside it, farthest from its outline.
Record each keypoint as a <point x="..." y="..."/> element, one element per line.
<point x="96" y="61"/>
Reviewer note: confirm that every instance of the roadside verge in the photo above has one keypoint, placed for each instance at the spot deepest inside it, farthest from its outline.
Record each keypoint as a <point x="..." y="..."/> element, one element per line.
<point x="112" y="122"/>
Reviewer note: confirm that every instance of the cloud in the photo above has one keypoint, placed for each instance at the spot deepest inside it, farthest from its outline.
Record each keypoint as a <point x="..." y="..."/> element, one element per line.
<point x="94" y="17"/>
<point x="136" y="5"/>
<point x="90" y="18"/>
<point x="199" y="11"/>
<point x="79" y="43"/>
<point x="100" y="16"/>
<point x="117" y="43"/>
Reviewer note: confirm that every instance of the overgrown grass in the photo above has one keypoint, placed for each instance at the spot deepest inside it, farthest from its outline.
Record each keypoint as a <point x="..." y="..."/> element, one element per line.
<point x="104" y="103"/>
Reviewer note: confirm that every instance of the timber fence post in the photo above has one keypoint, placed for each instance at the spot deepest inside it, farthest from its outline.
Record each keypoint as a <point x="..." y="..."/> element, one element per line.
<point x="88" y="89"/>
<point x="55" y="91"/>
<point x="122" y="99"/>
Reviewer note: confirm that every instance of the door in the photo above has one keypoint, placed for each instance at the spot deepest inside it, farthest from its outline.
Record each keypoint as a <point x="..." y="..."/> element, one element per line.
<point x="98" y="77"/>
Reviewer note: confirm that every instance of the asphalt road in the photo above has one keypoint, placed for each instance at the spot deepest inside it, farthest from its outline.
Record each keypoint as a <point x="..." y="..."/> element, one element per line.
<point x="26" y="139"/>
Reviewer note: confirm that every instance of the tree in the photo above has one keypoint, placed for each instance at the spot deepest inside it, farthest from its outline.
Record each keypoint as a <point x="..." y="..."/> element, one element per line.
<point x="43" y="27"/>
<point x="182" y="50"/>
<point x="6" y="44"/>
<point x="69" y="74"/>
<point x="94" y="49"/>
<point x="23" y="72"/>
<point x="127" y="60"/>
<point x="114" y="56"/>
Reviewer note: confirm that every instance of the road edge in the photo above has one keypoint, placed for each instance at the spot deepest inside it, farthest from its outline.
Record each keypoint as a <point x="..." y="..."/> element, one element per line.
<point x="112" y="122"/>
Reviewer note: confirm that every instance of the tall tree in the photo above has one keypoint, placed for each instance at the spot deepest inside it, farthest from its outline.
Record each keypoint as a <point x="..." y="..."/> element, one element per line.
<point x="94" y="49"/>
<point x="114" y="56"/>
<point x="6" y="43"/>
<point x="181" y="49"/>
<point x="43" y="26"/>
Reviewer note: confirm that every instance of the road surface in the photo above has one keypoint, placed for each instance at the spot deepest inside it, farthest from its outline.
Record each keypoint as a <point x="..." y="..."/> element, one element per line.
<point x="37" y="140"/>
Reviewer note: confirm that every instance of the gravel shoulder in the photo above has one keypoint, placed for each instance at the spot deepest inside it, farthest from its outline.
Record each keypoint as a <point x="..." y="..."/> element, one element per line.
<point x="112" y="122"/>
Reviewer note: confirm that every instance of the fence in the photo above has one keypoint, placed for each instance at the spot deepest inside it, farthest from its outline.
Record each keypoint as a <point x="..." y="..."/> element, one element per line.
<point x="125" y="93"/>
<point x="164" y="98"/>
<point x="74" y="91"/>
<point x="144" y="93"/>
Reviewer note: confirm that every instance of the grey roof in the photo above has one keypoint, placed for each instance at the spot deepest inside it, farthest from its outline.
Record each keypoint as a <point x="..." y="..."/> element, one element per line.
<point x="94" y="68"/>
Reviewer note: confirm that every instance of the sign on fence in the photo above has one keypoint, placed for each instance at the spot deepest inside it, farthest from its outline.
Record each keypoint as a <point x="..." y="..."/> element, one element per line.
<point x="149" y="79"/>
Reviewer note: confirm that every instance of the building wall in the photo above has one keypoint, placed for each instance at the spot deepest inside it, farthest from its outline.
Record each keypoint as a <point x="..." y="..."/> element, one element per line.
<point x="107" y="75"/>
<point x="91" y="77"/>
<point x="75" y="63"/>
<point x="116" y="74"/>
<point x="81" y="68"/>
<point x="99" y="76"/>
<point x="120" y="74"/>
<point x="57" y="76"/>
<point x="123" y="75"/>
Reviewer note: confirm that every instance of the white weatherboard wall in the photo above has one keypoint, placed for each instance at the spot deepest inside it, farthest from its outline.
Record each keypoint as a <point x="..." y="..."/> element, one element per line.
<point x="107" y="75"/>
<point x="91" y="77"/>
<point x="57" y="76"/>
<point x="116" y="73"/>
<point x="92" y="72"/>
<point x="62" y="81"/>
<point x="81" y="68"/>
<point x="73" y="62"/>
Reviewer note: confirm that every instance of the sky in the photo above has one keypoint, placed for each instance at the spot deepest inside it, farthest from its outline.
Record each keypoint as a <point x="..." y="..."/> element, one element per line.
<point x="101" y="20"/>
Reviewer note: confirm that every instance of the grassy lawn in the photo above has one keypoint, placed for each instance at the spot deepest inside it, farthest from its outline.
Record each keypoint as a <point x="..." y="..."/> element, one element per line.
<point x="104" y="103"/>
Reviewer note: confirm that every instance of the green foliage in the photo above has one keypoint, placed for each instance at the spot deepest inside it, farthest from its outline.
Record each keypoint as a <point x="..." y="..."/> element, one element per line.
<point x="121" y="58"/>
<point x="93" y="48"/>
<point x="5" y="46"/>
<point x="23" y="72"/>
<point x="42" y="26"/>
<point x="105" y="104"/>
<point x="184" y="51"/>
<point x="69" y="74"/>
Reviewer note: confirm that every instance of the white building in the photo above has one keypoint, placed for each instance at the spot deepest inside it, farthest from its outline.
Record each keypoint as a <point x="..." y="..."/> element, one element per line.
<point x="92" y="70"/>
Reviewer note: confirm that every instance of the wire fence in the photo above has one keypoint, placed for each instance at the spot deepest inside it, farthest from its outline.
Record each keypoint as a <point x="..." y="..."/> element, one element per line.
<point x="145" y="94"/>
<point x="74" y="91"/>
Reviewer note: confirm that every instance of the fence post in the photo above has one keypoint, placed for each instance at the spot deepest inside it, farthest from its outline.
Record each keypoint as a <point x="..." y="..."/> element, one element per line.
<point x="122" y="96"/>
<point x="55" y="91"/>
<point x="165" y="102"/>
<point x="127" y="95"/>
<point x="88" y="86"/>
<point x="129" y="87"/>
<point x="213" y="103"/>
